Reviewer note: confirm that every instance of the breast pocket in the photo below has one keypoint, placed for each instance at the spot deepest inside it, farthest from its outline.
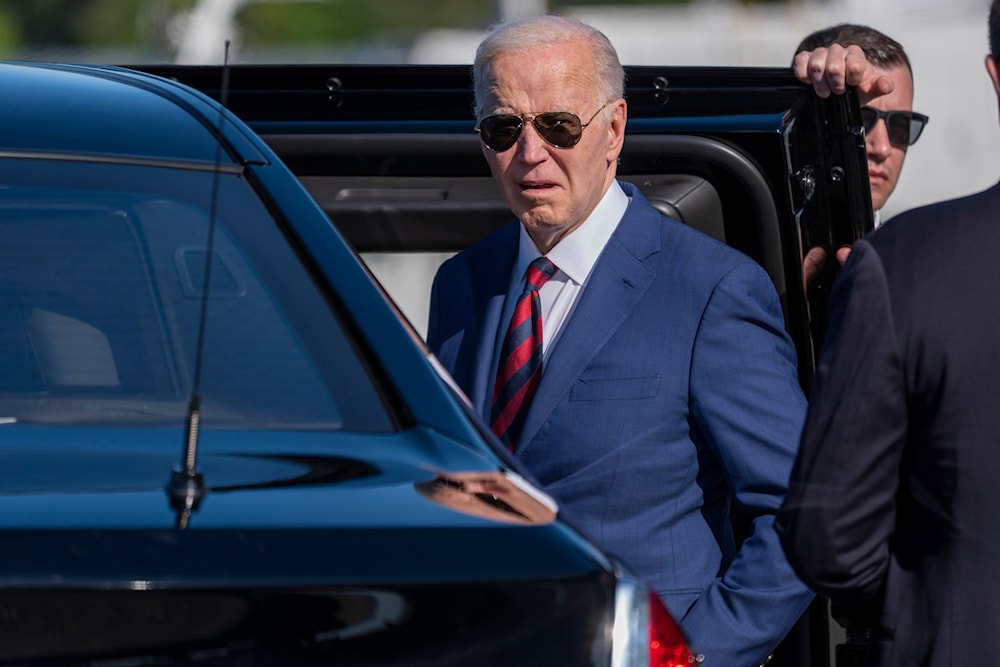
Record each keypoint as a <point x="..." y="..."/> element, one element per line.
<point x="615" y="389"/>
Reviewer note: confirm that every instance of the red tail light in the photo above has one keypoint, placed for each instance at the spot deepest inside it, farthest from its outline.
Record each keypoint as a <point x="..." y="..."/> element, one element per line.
<point x="645" y="634"/>
<point x="667" y="645"/>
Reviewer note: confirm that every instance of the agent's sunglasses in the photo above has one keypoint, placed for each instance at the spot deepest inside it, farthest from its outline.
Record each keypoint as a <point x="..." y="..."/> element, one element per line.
<point x="903" y="127"/>
<point x="561" y="129"/>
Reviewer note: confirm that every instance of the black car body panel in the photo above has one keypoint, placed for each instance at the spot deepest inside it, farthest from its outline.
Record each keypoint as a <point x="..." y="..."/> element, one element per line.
<point x="391" y="625"/>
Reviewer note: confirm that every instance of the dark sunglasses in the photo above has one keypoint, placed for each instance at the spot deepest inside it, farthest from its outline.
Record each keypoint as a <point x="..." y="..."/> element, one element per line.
<point x="904" y="127"/>
<point x="561" y="129"/>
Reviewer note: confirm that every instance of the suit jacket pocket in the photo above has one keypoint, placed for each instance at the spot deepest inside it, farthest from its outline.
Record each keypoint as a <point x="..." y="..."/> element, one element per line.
<point x="679" y="603"/>
<point x="615" y="389"/>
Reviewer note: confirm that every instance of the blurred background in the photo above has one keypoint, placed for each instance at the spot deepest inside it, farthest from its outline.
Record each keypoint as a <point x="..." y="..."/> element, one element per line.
<point x="946" y="41"/>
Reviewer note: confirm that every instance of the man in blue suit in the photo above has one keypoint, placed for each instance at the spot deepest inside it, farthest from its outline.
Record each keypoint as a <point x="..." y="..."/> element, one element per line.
<point x="669" y="387"/>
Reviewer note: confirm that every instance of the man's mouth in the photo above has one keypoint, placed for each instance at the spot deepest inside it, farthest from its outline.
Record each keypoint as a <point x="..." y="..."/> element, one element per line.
<point x="536" y="185"/>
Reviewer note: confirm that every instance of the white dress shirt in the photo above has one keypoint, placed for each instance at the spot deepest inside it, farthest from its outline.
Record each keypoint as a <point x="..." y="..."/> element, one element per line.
<point x="574" y="257"/>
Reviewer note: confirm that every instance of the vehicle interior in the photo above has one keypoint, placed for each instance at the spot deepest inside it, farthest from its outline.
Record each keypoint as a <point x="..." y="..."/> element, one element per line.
<point x="102" y="291"/>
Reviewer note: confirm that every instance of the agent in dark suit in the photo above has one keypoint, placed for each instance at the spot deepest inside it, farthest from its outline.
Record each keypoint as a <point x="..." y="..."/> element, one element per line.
<point x="669" y="388"/>
<point x="894" y="506"/>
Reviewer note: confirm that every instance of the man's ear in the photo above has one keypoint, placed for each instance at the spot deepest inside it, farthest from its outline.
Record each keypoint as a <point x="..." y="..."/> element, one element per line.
<point x="616" y="129"/>
<point x="993" y="69"/>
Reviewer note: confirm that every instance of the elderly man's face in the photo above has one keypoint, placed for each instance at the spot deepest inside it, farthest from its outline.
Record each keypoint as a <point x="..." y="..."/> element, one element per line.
<point x="552" y="190"/>
<point x="885" y="159"/>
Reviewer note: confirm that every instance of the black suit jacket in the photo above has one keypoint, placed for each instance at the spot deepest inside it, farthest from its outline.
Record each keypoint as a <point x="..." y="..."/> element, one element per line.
<point x="894" y="505"/>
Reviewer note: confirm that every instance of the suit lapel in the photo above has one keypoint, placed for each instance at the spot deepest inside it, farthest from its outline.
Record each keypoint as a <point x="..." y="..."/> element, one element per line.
<point x="617" y="283"/>
<point x="490" y="273"/>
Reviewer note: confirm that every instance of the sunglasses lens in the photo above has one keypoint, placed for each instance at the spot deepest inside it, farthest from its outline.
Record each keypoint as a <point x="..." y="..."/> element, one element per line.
<point x="500" y="132"/>
<point x="560" y="128"/>
<point x="898" y="124"/>
<point x="917" y="123"/>
<point x="903" y="127"/>
<point x="869" y="117"/>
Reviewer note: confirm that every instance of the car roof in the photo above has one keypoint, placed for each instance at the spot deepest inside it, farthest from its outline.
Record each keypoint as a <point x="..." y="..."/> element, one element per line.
<point x="115" y="113"/>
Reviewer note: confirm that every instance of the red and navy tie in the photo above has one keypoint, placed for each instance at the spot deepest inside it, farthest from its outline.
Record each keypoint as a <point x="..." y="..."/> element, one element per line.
<point x="520" y="367"/>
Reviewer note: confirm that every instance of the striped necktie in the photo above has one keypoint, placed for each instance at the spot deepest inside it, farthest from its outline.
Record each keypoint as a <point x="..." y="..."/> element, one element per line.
<point x="520" y="367"/>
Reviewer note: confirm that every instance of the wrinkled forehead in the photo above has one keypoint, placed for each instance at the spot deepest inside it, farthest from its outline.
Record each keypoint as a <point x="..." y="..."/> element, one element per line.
<point x="901" y="96"/>
<point x="554" y="78"/>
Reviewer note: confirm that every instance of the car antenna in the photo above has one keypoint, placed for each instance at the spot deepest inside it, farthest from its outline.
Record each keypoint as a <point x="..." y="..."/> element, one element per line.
<point x="186" y="487"/>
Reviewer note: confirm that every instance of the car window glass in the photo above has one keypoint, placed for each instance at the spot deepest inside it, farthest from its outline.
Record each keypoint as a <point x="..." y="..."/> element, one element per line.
<point x="102" y="275"/>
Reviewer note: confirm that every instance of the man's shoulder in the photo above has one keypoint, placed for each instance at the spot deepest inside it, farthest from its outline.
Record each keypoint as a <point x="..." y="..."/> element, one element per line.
<point x="499" y="245"/>
<point x="680" y="239"/>
<point x="918" y="251"/>
<point x="686" y="260"/>
<point x="976" y="205"/>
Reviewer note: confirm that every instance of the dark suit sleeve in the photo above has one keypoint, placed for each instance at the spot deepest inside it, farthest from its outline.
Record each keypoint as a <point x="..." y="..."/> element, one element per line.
<point x="749" y="408"/>
<point x="448" y="319"/>
<point x="434" y="314"/>
<point x="840" y="512"/>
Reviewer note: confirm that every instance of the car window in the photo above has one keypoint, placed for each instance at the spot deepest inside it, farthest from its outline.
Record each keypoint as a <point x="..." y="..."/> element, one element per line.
<point x="102" y="283"/>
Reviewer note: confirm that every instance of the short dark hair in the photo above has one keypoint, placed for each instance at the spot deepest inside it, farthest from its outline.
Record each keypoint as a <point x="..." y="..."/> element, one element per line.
<point x="995" y="29"/>
<point x="880" y="49"/>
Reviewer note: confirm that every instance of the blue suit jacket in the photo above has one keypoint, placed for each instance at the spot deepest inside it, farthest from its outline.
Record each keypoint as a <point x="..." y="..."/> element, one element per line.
<point x="671" y="392"/>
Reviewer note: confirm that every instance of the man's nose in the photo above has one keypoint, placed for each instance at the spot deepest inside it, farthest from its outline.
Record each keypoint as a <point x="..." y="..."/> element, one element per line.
<point x="877" y="140"/>
<point x="530" y="144"/>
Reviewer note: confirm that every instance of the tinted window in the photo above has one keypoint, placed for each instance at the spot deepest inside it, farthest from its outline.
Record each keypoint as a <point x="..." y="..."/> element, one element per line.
<point x="102" y="281"/>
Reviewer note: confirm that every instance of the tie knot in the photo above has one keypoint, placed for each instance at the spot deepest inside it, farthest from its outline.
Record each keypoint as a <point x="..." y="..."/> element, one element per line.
<point x="539" y="272"/>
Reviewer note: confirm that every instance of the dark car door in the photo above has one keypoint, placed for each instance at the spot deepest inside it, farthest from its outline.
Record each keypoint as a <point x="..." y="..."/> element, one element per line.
<point x="748" y="155"/>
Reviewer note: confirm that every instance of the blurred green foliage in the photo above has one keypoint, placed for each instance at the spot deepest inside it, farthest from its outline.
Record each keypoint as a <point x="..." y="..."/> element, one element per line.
<point x="351" y="20"/>
<point x="145" y="24"/>
<point x="29" y="25"/>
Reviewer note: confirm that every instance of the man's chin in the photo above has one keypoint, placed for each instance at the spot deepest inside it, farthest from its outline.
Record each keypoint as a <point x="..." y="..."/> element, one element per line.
<point x="879" y="198"/>
<point x="536" y="217"/>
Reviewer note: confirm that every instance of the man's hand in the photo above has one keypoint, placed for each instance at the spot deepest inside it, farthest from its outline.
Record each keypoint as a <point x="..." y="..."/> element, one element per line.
<point x="812" y="264"/>
<point x="815" y="260"/>
<point x="831" y="70"/>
